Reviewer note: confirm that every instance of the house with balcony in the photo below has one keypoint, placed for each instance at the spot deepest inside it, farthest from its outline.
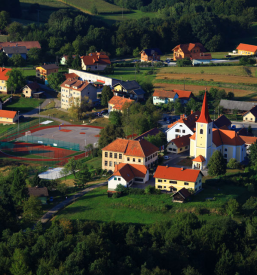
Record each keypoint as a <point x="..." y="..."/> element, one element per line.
<point x="129" y="89"/>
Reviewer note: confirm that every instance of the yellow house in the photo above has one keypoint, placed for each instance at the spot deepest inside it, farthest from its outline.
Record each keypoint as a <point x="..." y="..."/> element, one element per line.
<point x="250" y="116"/>
<point x="246" y="49"/>
<point x="179" y="145"/>
<point x="129" y="151"/>
<point x="3" y="79"/>
<point x="8" y="117"/>
<point x="174" y="178"/>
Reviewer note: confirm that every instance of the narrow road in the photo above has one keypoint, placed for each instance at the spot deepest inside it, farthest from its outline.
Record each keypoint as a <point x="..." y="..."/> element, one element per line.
<point x="49" y="117"/>
<point x="47" y="216"/>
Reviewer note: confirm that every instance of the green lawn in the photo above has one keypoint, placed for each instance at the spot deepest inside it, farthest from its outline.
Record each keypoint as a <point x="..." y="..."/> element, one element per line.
<point x="4" y="128"/>
<point x="95" y="162"/>
<point x="145" y="209"/>
<point x="23" y="104"/>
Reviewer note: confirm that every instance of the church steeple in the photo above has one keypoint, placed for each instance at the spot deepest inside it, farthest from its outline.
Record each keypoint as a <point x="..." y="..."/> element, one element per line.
<point x="204" y="116"/>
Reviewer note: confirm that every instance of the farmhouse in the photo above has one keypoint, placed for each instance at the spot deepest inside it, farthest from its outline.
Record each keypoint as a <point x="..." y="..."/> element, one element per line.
<point x="246" y="49"/>
<point x="250" y="115"/>
<point x="236" y="105"/>
<point x="163" y="97"/>
<point x="174" y="178"/>
<point x="97" y="61"/>
<point x="21" y="50"/>
<point x="179" y="145"/>
<point x="182" y="127"/>
<point x="43" y="71"/>
<point x="222" y="122"/>
<point x="3" y="79"/>
<point x="150" y="55"/>
<point x="31" y="88"/>
<point x="8" y="117"/>
<point x="127" y="174"/>
<point x="117" y="103"/>
<point x="129" y="89"/>
<point x="140" y="152"/>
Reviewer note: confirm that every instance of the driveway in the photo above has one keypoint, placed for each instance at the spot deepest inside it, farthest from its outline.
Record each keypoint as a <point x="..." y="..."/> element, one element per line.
<point x="241" y="124"/>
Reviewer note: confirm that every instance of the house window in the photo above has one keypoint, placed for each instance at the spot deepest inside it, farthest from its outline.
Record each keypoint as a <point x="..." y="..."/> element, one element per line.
<point x="120" y="156"/>
<point x="119" y="179"/>
<point x="164" y="186"/>
<point x="115" y="155"/>
<point x="177" y="131"/>
<point x="251" y="118"/>
<point x="183" y="131"/>
<point x="164" y="180"/>
<point x="115" y="163"/>
<point x="201" y="131"/>
<point x="209" y="131"/>
<point x="180" y="149"/>
<point x="106" y="154"/>
<point x="186" y="183"/>
<point x="134" y="160"/>
<point x="225" y="156"/>
<point x="159" y="187"/>
<point x="115" y="178"/>
<point x="159" y="180"/>
<point x="110" y="155"/>
<point x="139" y="160"/>
<point x="110" y="163"/>
<point x="186" y="147"/>
<point x="225" y="149"/>
<point x="173" y="182"/>
<point x="128" y="159"/>
<point x="105" y="163"/>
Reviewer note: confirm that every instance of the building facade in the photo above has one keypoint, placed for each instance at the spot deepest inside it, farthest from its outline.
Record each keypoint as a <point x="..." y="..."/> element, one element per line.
<point x="43" y="71"/>
<point x="117" y="103"/>
<point x="163" y="97"/>
<point x="8" y="117"/>
<point x="251" y="115"/>
<point x="97" y="61"/>
<point x="3" y="79"/>
<point x="148" y="55"/>
<point x="246" y="49"/>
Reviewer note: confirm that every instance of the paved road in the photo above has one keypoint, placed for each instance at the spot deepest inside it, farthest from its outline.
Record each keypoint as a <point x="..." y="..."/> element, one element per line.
<point x="68" y="201"/>
<point x="240" y="124"/>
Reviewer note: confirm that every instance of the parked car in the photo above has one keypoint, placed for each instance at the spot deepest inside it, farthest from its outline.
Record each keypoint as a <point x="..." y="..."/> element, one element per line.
<point x="166" y="157"/>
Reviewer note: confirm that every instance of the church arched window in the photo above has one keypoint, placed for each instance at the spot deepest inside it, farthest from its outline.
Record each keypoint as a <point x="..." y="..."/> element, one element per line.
<point x="201" y="131"/>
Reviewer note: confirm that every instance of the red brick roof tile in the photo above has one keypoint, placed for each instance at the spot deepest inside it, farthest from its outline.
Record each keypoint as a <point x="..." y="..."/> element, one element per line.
<point x="181" y="141"/>
<point x="119" y="102"/>
<point x="3" y="72"/>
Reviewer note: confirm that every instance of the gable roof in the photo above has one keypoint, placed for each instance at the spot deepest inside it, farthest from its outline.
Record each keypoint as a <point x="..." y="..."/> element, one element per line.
<point x="200" y="158"/>
<point x="128" y="85"/>
<point x="222" y="121"/>
<point x="78" y="84"/>
<point x="164" y="94"/>
<point x="247" y="47"/>
<point x="187" y="48"/>
<point x="204" y="116"/>
<point x="27" y="44"/>
<point x="252" y="111"/>
<point x="248" y="140"/>
<point x="175" y="173"/>
<point x="181" y="141"/>
<point x="151" y="132"/>
<point x="119" y="102"/>
<point x="3" y="72"/>
<point x="96" y="58"/>
<point x="15" y="50"/>
<point x="33" y="85"/>
<point x="7" y="114"/>
<point x="226" y="137"/>
<point x="183" y="192"/>
<point x="138" y="91"/>
<point x="244" y="132"/>
<point x="130" y="171"/>
<point x="189" y="121"/>
<point x="238" y="105"/>
<point x="149" y="52"/>
<point x="183" y="94"/>
<point x="71" y="75"/>
<point x="38" y="191"/>
<point x="134" y="148"/>
<point x="49" y="66"/>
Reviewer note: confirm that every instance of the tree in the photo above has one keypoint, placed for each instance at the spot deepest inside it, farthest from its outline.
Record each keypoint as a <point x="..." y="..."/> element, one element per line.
<point x="78" y="109"/>
<point x="76" y="63"/>
<point x="183" y="62"/>
<point x="82" y="177"/>
<point x="233" y="164"/>
<point x="89" y="148"/>
<point x="69" y="61"/>
<point x="136" y="52"/>
<point x="17" y="60"/>
<point x="216" y="164"/>
<point x="115" y="118"/>
<point x="107" y="94"/>
<point x="16" y="80"/>
<point x="157" y="140"/>
<point x="15" y="31"/>
<point x="109" y="134"/>
<point x="253" y="153"/>
<point x="71" y="167"/>
<point x="34" y="55"/>
<point x="32" y="208"/>
<point x="94" y="9"/>
<point x="62" y="188"/>
<point x="178" y="107"/>
<point x="36" y="180"/>
<point x="250" y="130"/>
<point x="232" y="207"/>
<point x="4" y="59"/>
<point x="55" y="80"/>
<point x="4" y="19"/>
<point x="230" y="95"/>
<point x="18" y="188"/>
<point x="19" y="264"/>
<point x="190" y="271"/>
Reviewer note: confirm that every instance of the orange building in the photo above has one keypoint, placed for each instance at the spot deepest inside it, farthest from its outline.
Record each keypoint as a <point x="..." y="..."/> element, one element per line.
<point x="43" y="71"/>
<point x="151" y="55"/>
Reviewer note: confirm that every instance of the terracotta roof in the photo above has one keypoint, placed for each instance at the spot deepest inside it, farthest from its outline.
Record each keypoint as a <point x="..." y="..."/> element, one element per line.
<point x="79" y="84"/>
<point x="247" y="47"/>
<point x="181" y="141"/>
<point x="33" y="86"/>
<point x="96" y="58"/>
<point x="164" y="94"/>
<point x="204" y="116"/>
<point x="187" y="48"/>
<point x="38" y="191"/>
<point x="133" y="148"/>
<point x="71" y="75"/>
<point x="200" y="158"/>
<point x="189" y="121"/>
<point x="27" y="44"/>
<point x="119" y="102"/>
<point x="130" y="171"/>
<point x="253" y="111"/>
<point x="248" y="140"/>
<point x="151" y="132"/>
<point x="222" y="121"/>
<point x="174" y="173"/>
<point x="183" y="94"/>
<point x="3" y="72"/>
<point x="7" y="114"/>
<point x="226" y="137"/>
<point x="193" y="136"/>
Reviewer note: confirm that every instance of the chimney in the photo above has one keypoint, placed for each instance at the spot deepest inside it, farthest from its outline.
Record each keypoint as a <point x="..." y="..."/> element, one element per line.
<point x="167" y="166"/>
<point x="192" y="112"/>
<point x="182" y="168"/>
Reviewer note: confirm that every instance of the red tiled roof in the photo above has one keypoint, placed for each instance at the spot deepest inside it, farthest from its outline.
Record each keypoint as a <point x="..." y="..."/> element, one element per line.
<point x="174" y="173"/>
<point x="189" y="121"/>
<point x="183" y="94"/>
<point x="79" y="84"/>
<point x="204" y="116"/>
<point x="71" y="75"/>
<point x="181" y="141"/>
<point x="248" y="140"/>
<point x="96" y="58"/>
<point x="3" y="72"/>
<point x="187" y="48"/>
<point x="226" y="137"/>
<point x="193" y="136"/>
<point x="247" y="47"/>
<point x="27" y="44"/>
<point x="164" y="94"/>
<point x="130" y="171"/>
<point x="200" y="158"/>
<point x="119" y="102"/>
<point x="7" y="114"/>
<point x="133" y="148"/>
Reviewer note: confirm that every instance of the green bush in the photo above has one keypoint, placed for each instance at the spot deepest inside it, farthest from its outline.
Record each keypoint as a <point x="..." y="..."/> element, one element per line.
<point x="136" y="191"/>
<point x="233" y="164"/>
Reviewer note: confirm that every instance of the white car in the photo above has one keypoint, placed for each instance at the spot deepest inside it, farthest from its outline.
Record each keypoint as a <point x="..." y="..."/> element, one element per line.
<point x="166" y="157"/>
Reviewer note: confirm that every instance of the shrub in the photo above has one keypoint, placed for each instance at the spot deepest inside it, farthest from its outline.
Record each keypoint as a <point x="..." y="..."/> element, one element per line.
<point x="149" y="190"/>
<point x="115" y="195"/>
<point x="121" y="188"/>
<point x="233" y="164"/>
<point x="232" y="207"/>
<point x="136" y="191"/>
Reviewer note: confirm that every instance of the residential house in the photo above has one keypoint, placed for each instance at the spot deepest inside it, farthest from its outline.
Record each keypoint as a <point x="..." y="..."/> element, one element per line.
<point x="151" y="55"/>
<point x="3" y="79"/>
<point x="222" y="122"/>
<point x="164" y="97"/>
<point x="206" y="140"/>
<point x="183" y="96"/>
<point x="43" y="71"/>
<point x="194" y="51"/>
<point x="31" y="88"/>
<point x="64" y="59"/>
<point x="248" y="140"/>
<point x="181" y="196"/>
<point x="245" y="132"/>
<point x="140" y="152"/>
<point x="129" y="89"/>
<point x="246" y="49"/>
<point x="127" y="174"/>
<point x="27" y="44"/>
<point x="174" y="179"/>
<point x="40" y="192"/>
<point x="152" y="132"/>
<point x="179" y="145"/>
<point x="21" y="50"/>
<point x="182" y="127"/>
<point x="251" y="115"/>
<point x="73" y="90"/>
<point x="97" y="61"/>
<point x="8" y="117"/>
<point x="117" y="103"/>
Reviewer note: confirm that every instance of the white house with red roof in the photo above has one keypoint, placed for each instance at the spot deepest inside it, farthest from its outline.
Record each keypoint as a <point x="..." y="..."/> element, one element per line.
<point x="97" y="61"/>
<point x="163" y="97"/>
